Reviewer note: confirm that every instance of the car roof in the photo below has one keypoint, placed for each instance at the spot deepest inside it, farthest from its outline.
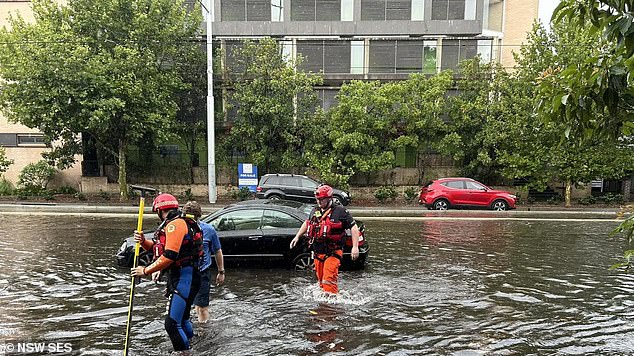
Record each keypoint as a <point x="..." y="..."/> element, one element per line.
<point x="285" y="175"/>
<point x="266" y="202"/>
<point x="453" y="178"/>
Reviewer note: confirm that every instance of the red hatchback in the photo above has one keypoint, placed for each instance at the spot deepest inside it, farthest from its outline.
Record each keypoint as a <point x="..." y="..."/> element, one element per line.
<point x="444" y="193"/>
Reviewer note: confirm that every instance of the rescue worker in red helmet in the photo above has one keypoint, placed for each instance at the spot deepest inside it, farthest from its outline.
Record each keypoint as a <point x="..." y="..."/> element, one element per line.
<point x="177" y="247"/>
<point x="326" y="230"/>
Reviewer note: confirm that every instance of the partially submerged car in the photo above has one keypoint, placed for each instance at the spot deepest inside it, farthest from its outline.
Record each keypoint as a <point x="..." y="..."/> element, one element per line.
<point x="258" y="233"/>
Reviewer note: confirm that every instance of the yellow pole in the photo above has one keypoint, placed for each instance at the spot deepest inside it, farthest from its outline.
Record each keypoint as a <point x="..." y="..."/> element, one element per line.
<point x="139" y="228"/>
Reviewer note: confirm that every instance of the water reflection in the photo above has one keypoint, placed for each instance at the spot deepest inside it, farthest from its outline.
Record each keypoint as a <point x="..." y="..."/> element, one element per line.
<point x="431" y="287"/>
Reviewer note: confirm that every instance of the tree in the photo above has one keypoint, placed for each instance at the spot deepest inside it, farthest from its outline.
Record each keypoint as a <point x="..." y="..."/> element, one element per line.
<point x="358" y="135"/>
<point x="273" y="101"/>
<point x="604" y="81"/>
<point x="422" y="104"/>
<point x="100" y="68"/>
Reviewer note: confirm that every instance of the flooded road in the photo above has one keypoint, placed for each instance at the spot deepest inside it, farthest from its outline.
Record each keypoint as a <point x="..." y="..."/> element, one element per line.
<point x="465" y="287"/>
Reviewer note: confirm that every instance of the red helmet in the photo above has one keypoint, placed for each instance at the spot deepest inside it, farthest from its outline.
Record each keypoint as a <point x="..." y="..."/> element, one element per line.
<point x="164" y="201"/>
<point x="323" y="191"/>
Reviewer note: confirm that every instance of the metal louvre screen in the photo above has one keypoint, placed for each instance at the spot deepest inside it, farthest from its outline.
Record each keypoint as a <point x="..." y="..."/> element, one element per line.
<point x="439" y="9"/>
<point x="372" y="10"/>
<point x="409" y="56"/>
<point x="231" y="48"/>
<point x="328" y="10"/>
<point x="312" y="53"/>
<point x="336" y="57"/>
<point x="382" y="56"/>
<point x="303" y="10"/>
<point x="468" y="49"/>
<point x="258" y="10"/>
<point x="233" y="10"/>
<point x="450" y="51"/>
<point x="398" y="10"/>
<point x="456" y="10"/>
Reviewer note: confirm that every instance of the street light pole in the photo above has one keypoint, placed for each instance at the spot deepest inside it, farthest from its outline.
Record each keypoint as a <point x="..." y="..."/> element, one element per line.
<point x="211" y="134"/>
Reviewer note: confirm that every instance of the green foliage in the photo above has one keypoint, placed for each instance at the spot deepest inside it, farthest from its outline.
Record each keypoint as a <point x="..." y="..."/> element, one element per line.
<point x="80" y="196"/>
<point x="411" y="194"/>
<point x="384" y="193"/>
<point x="115" y="83"/>
<point x="187" y="195"/>
<point x="36" y="176"/>
<point x="273" y="100"/>
<point x="241" y="194"/>
<point x="626" y="228"/>
<point x="608" y="198"/>
<point x="6" y="187"/>
<point x="602" y="83"/>
<point x="4" y="161"/>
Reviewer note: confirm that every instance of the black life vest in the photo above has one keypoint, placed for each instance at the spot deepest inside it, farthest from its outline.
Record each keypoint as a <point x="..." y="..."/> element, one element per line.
<point x="325" y="236"/>
<point x="192" y="246"/>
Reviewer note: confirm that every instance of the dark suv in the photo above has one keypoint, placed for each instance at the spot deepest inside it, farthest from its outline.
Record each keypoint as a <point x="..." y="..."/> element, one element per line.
<point x="294" y="187"/>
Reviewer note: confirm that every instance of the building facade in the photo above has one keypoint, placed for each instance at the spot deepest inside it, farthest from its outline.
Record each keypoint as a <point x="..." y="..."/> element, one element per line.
<point x="364" y="39"/>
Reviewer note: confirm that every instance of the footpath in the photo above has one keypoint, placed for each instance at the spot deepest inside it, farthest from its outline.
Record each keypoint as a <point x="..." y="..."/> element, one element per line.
<point x="380" y="213"/>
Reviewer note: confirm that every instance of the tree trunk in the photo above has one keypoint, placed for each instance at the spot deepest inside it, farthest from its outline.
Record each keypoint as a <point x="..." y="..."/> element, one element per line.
<point x="568" y="193"/>
<point x="123" y="184"/>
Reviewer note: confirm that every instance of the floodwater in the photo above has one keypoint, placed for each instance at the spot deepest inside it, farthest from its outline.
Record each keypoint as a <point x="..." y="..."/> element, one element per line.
<point x="463" y="287"/>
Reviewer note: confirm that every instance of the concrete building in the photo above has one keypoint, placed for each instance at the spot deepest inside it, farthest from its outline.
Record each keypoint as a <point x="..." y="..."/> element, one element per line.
<point x="365" y="39"/>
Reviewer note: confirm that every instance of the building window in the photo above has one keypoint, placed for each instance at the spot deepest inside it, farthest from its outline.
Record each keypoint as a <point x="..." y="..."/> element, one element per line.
<point x="380" y="10"/>
<point x="327" y="98"/>
<point x="31" y="140"/>
<point x="418" y="10"/>
<point x="316" y="10"/>
<point x="277" y="10"/>
<point x="347" y="10"/>
<point x="250" y="10"/>
<point x="430" y="59"/>
<point x="485" y="50"/>
<point x="8" y="140"/>
<point x="452" y="9"/>
<point x="455" y="51"/>
<point x="409" y="56"/>
<point x="357" y="57"/>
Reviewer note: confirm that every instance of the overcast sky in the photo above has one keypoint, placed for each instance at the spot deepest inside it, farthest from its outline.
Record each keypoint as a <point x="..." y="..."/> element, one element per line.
<point x="546" y="8"/>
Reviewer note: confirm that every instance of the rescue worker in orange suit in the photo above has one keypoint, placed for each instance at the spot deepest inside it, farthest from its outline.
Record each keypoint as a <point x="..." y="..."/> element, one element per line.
<point x="326" y="230"/>
<point x="177" y="247"/>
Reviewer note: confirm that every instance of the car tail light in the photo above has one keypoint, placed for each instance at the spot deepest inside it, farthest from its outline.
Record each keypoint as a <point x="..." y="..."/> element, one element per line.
<point x="258" y="189"/>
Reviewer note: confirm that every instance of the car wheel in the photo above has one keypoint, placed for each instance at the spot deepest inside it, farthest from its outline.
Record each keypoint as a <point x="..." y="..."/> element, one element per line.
<point x="303" y="262"/>
<point x="274" y="197"/>
<point x="441" y="204"/>
<point x="145" y="259"/>
<point x="500" y="205"/>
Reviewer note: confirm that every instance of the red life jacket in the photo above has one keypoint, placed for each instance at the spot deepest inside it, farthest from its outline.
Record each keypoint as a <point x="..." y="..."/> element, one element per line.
<point x="325" y="236"/>
<point x="192" y="246"/>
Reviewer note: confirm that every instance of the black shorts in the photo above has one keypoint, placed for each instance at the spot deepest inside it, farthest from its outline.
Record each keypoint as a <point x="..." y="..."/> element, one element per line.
<point x="202" y="298"/>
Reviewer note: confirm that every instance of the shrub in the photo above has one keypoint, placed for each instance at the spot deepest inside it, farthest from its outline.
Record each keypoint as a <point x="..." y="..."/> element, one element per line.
<point x="80" y="196"/>
<point x="4" y="162"/>
<point x="587" y="200"/>
<point x="104" y="195"/>
<point x="610" y="198"/>
<point x="241" y="194"/>
<point x="36" y="176"/>
<point x="384" y="193"/>
<point x="187" y="195"/>
<point x="6" y="187"/>
<point x="410" y="194"/>
<point x="67" y="189"/>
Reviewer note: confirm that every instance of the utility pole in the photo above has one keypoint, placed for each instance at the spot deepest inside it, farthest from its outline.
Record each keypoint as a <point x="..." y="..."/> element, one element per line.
<point x="211" y="134"/>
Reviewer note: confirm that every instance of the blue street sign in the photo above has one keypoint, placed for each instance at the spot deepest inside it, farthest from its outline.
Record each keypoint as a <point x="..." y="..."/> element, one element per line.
<point x="247" y="176"/>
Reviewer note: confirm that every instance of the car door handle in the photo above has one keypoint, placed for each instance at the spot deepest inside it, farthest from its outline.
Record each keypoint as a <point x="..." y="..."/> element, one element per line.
<point x="255" y="237"/>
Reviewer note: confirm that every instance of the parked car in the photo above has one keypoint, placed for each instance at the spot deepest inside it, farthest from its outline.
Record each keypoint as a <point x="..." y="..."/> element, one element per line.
<point x="294" y="187"/>
<point x="259" y="232"/>
<point x="445" y="193"/>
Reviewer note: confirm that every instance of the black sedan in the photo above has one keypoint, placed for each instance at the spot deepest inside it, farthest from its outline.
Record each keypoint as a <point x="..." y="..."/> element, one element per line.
<point x="259" y="232"/>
